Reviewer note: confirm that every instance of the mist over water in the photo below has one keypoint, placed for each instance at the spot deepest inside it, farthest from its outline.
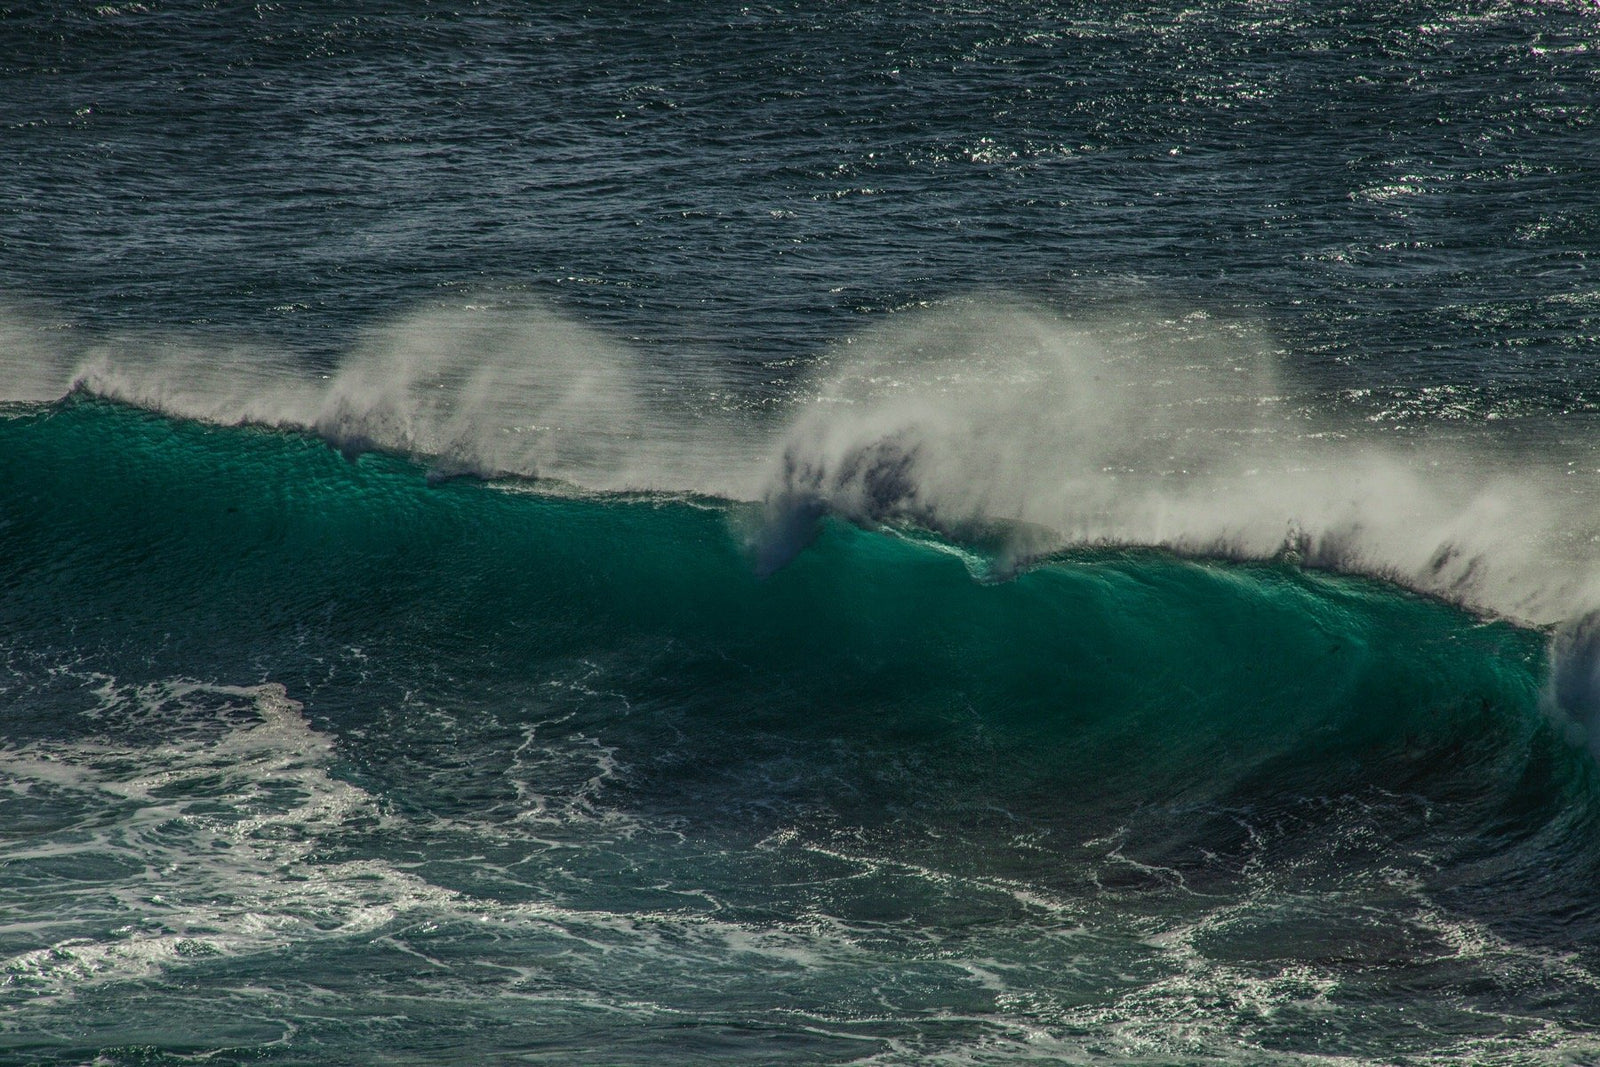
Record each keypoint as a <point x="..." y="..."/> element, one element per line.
<point x="988" y="421"/>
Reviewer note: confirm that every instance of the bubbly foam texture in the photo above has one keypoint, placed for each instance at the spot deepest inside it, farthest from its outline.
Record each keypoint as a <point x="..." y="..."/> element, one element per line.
<point x="214" y="830"/>
<point x="220" y="817"/>
<point x="215" y="818"/>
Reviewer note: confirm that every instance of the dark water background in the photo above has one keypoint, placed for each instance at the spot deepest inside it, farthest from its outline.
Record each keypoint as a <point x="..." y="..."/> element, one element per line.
<point x="1406" y="188"/>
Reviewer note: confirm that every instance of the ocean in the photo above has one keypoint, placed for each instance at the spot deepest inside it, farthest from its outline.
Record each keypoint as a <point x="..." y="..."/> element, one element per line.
<point x="800" y="533"/>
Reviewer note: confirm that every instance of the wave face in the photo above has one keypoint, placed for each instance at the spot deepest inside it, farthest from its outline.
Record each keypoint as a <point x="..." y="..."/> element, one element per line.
<point x="286" y="722"/>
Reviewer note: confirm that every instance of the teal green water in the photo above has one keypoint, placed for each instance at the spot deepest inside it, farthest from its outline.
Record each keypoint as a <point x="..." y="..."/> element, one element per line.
<point x="407" y="772"/>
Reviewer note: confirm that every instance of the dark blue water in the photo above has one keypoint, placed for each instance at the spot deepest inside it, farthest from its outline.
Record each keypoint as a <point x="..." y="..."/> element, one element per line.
<point x="799" y="533"/>
<point x="1408" y="189"/>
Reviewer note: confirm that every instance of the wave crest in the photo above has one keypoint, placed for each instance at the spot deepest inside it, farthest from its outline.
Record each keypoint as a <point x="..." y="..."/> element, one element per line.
<point x="985" y="419"/>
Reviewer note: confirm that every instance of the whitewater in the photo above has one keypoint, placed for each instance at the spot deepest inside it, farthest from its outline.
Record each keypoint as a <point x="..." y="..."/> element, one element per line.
<point x="799" y="534"/>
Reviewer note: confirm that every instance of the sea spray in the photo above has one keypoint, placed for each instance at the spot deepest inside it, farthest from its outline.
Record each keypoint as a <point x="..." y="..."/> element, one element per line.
<point x="990" y="416"/>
